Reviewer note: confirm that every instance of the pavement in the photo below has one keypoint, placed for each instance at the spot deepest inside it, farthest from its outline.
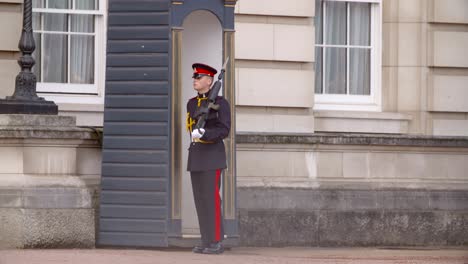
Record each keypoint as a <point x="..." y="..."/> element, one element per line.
<point x="288" y="255"/>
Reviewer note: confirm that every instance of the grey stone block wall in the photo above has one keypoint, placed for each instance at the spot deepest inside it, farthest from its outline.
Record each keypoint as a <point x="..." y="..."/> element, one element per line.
<point x="48" y="185"/>
<point x="330" y="218"/>
<point x="11" y="229"/>
<point x="48" y="218"/>
<point x="267" y="228"/>
<point x="58" y="228"/>
<point x="46" y="228"/>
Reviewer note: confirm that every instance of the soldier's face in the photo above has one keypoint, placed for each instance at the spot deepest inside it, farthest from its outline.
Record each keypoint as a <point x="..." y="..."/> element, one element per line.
<point x="202" y="83"/>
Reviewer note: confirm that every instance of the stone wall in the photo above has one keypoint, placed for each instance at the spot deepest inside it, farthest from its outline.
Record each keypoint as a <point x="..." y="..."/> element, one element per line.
<point x="448" y="72"/>
<point x="49" y="179"/>
<point x="10" y="29"/>
<point x="337" y="217"/>
<point x="301" y="190"/>
<point x="352" y="190"/>
<point x="275" y="38"/>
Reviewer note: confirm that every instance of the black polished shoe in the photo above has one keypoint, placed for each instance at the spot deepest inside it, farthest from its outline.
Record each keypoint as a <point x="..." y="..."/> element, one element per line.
<point x="215" y="248"/>
<point x="198" y="249"/>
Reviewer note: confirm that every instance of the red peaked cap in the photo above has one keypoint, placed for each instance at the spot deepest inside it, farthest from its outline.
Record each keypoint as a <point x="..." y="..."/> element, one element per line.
<point x="204" y="69"/>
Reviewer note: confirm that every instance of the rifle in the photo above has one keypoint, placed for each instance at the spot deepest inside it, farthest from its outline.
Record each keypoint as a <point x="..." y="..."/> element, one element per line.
<point x="205" y="110"/>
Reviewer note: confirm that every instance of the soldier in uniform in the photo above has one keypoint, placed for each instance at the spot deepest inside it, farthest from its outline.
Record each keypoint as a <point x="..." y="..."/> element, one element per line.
<point x="207" y="159"/>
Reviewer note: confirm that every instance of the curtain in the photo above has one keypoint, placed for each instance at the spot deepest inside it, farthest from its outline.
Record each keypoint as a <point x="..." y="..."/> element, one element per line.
<point x="318" y="50"/>
<point x="56" y="66"/>
<point x="359" y="58"/>
<point x="82" y="46"/>
<point x="335" y="58"/>
<point x="332" y="21"/>
<point x="38" y="3"/>
<point x="55" y="48"/>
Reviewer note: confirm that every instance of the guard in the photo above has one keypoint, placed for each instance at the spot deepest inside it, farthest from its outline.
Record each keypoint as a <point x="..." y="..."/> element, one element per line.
<point x="207" y="158"/>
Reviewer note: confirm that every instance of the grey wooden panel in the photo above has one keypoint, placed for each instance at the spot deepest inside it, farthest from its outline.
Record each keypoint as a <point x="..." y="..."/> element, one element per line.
<point x="137" y="101"/>
<point x="121" y="142"/>
<point x="135" y="170"/>
<point x="137" y="128"/>
<point x="138" y="60"/>
<point x="137" y="87"/>
<point x="138" y="32"/>
<point x="148" y="156"/>
<point x="134" y="184"/>
<point x="137" y="46"/>
<point x="139" y="18"/>
<point x="138" y="5"/>
<point x="132" y="198"/>
<point x="147" y="115"/>
<point x="137" y="74"/>
<point x="133" y="211"/>
<point x="133" y="239"/>
<point x="133" y="225"/>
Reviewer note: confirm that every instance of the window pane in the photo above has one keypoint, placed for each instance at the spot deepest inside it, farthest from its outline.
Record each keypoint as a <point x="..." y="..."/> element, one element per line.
<point x="318" y="22"/>
<point x="55" y="58"/>
<point x="335" y="23"/>
<point x="82" y="23"/>
<point x="318" y="70"/>
<point x="335" y="70"/>
<point x="38" y="3"/>
<point x="359" y="71"/>
<point x="85" y="4"/>
<point x="59" y="4"/>
<point x="82" y="59"/>
<point x="360" y="24"/>
<point x="55" y="22"/>
<point x="37" y="56"/>
<point x="36" y="21"/>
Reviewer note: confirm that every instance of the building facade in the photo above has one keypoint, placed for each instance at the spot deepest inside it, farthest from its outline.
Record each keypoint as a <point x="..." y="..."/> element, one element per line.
<point x="351" y="121"/>
<point x="385" y="68"/>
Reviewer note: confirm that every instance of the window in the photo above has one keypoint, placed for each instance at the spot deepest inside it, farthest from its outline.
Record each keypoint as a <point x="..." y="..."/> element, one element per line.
<point x="70" y="41"/>
<point x="347" y="55"/>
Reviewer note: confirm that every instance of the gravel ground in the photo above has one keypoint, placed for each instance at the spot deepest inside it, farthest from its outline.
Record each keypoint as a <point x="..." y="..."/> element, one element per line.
<point x="237" y="256"/>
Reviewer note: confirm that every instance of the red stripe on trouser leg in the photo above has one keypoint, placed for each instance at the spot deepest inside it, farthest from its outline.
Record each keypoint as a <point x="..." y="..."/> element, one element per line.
<point x="217" y="208"/>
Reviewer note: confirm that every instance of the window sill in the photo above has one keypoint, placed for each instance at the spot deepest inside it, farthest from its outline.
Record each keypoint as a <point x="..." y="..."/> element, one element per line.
<point x="70" y="99"/>
<point x="362" y="122"/>
<point x="72" y="107"/>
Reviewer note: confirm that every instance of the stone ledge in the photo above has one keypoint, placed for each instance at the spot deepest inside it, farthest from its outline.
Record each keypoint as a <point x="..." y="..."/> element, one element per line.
<point x="48" y="132"/>
<point x="352" y="139"/>
<point x="362" y="115"/>
<point x="351" y="199"/>
<point x="37" y="120"/>
<point x="19" y="181"/>
<point x="44" y="127"/>
<point x="361" y="122"/>
<point x="303" y="183"/>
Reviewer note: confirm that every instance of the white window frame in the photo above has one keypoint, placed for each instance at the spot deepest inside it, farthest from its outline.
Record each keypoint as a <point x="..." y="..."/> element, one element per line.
<point x="80" y="93"/>
<point x="372" y="102"/>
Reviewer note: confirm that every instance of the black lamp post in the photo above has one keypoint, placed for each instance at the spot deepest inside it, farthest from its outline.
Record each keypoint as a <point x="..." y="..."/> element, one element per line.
<point x="25" y="100"/>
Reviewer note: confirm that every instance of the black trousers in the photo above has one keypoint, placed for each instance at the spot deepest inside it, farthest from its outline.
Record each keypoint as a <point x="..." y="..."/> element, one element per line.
<point x="205" y="186"/>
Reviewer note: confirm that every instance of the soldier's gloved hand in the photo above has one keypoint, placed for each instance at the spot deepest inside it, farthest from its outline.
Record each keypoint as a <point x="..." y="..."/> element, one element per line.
<point x="198" y="133"/>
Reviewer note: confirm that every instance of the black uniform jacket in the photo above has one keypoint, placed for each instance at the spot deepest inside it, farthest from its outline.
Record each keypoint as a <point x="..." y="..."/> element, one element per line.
<point x="208" y="153"/>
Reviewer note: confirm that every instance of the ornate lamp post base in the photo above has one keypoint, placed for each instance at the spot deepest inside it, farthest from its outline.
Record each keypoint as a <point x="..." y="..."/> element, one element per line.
<point x="28" y="107"/>
<point x="25" y="100"/>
